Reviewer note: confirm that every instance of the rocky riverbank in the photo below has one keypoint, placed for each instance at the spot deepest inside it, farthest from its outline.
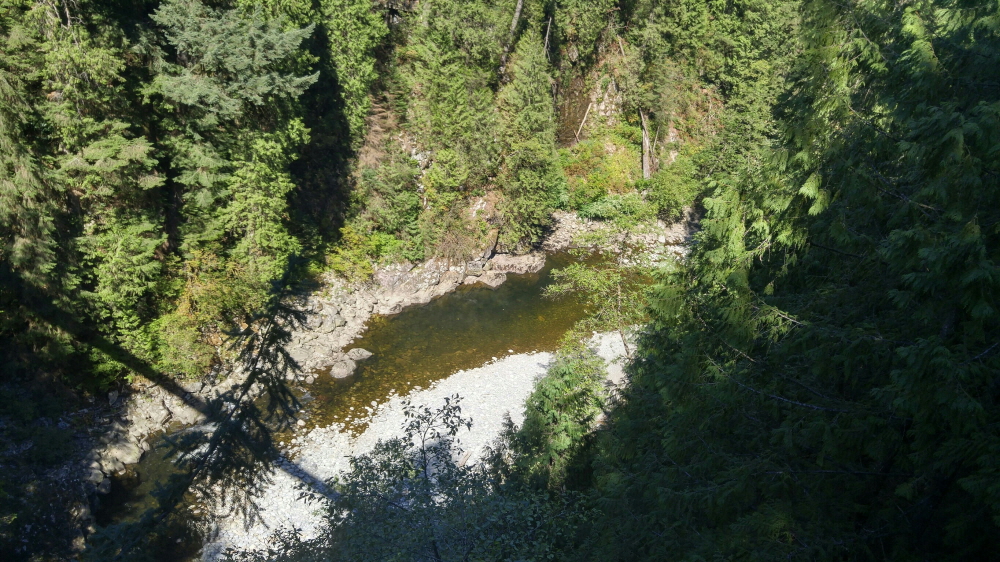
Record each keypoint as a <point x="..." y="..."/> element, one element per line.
<point x="489" y="394"/>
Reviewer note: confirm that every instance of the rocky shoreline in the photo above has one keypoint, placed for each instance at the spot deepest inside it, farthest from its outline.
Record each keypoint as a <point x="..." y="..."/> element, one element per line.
<point x="489" y="394"/>
<point x="337" y="315"/>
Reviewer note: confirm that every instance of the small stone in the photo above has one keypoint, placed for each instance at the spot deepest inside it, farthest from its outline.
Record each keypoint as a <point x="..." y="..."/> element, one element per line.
<point x="301" y="423"/>
<point x="104" y="487"/>
<point x="112" y="397"/>
<point x="310" y="379"/>
<point x="374" y="404"/>
<point x="79" y="543"/>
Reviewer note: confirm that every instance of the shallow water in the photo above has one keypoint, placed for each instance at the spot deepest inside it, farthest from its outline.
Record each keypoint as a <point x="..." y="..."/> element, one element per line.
<point x="460" y="330"/>
<point x="415" y="348"/>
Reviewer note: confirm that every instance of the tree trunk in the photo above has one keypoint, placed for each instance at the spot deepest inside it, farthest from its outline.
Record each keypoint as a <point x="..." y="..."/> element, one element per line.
<point x="548" y="28"/>
<point x="647" y="152"/>
<point x="510" y="41"/>
<point x="517" y="16"/>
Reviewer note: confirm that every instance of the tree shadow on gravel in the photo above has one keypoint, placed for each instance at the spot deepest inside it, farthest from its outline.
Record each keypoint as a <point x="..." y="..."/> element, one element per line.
<point x="230" y="458"/>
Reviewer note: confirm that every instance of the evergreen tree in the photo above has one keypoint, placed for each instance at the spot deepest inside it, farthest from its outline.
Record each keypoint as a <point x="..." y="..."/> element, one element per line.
<point x="816" y="382"/>
<point x="530" y="175"/>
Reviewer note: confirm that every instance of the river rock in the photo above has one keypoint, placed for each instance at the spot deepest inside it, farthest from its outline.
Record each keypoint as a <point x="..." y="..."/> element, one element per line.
<point x="111" y="465"/>
<point x="123" y="451"/>
<point x="359" y="354"/>
<point x="104" y="487"/>
<point x="474" y="268"/>
<point x="343" y="369"/>
<point x="450" y="278"/>
<point x="492" y="279"/>
<point x="187" y="415"/>
<point x="332" y="320"/>
<point x="508" y="263"/>
<point x="389" y="276"/>
<point x="94" y="476"/>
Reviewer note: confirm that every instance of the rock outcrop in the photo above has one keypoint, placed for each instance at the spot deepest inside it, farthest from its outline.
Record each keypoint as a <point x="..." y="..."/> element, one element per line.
<point x="528" y="263"/>
<point x="659" y="239"/>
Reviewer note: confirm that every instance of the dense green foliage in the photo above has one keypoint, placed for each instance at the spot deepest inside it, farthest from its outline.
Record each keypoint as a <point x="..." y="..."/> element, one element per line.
<point x="818" y="380"/>
<point x="559" y="417"/>
<point x="150" y="172"/>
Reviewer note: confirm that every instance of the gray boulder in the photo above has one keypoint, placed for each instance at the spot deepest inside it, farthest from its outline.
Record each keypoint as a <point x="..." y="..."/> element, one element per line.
<point x="124" y="452"/>
<point x="528" y="263"/>
<point x="359" y="354"/>
<point x="94" y="476"/>
<point x="493" y="279"/>
<point x="343" y="369"/>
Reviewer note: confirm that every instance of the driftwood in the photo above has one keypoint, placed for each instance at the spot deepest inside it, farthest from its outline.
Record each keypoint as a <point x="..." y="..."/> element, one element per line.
<point x="510" y="41"/>
<point x="548" y="28"/>
<point x="647" y="157"/>
<point x="584" y="121"/>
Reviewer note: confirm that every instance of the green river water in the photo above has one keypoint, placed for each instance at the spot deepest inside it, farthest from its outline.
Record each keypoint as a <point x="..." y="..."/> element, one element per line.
<point x="414" y="348"/>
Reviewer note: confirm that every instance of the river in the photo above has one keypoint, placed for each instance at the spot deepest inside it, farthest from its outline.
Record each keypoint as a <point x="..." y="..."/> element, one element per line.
<point x="412" y="350"/>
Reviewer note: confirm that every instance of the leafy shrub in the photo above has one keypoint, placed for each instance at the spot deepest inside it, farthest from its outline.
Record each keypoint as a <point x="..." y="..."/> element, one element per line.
<point x="609" y="161"/>
<point x="559" y="414"/>
<point x="627" y="209"/>
<point x="180" y="346"/>
<point x="672" y="188"/>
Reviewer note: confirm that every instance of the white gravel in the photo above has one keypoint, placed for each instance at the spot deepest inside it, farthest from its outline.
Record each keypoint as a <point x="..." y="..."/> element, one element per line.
<point x="489" y="393"/>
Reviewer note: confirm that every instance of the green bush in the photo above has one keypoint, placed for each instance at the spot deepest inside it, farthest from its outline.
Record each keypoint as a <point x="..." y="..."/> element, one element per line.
<point x="180" y="346"/>
<point x="625" y="210"/>
<point x="672" y="188"/>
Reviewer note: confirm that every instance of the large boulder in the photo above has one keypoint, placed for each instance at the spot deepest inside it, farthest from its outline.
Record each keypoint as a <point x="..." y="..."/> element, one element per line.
<point x="359" y="354"/>
<point x="332" y="320"/>
<point x="121" y="452"/>
<point x="508" y="263"/>
<point x="492" y="279"/>
<point x="343" y="369"/>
